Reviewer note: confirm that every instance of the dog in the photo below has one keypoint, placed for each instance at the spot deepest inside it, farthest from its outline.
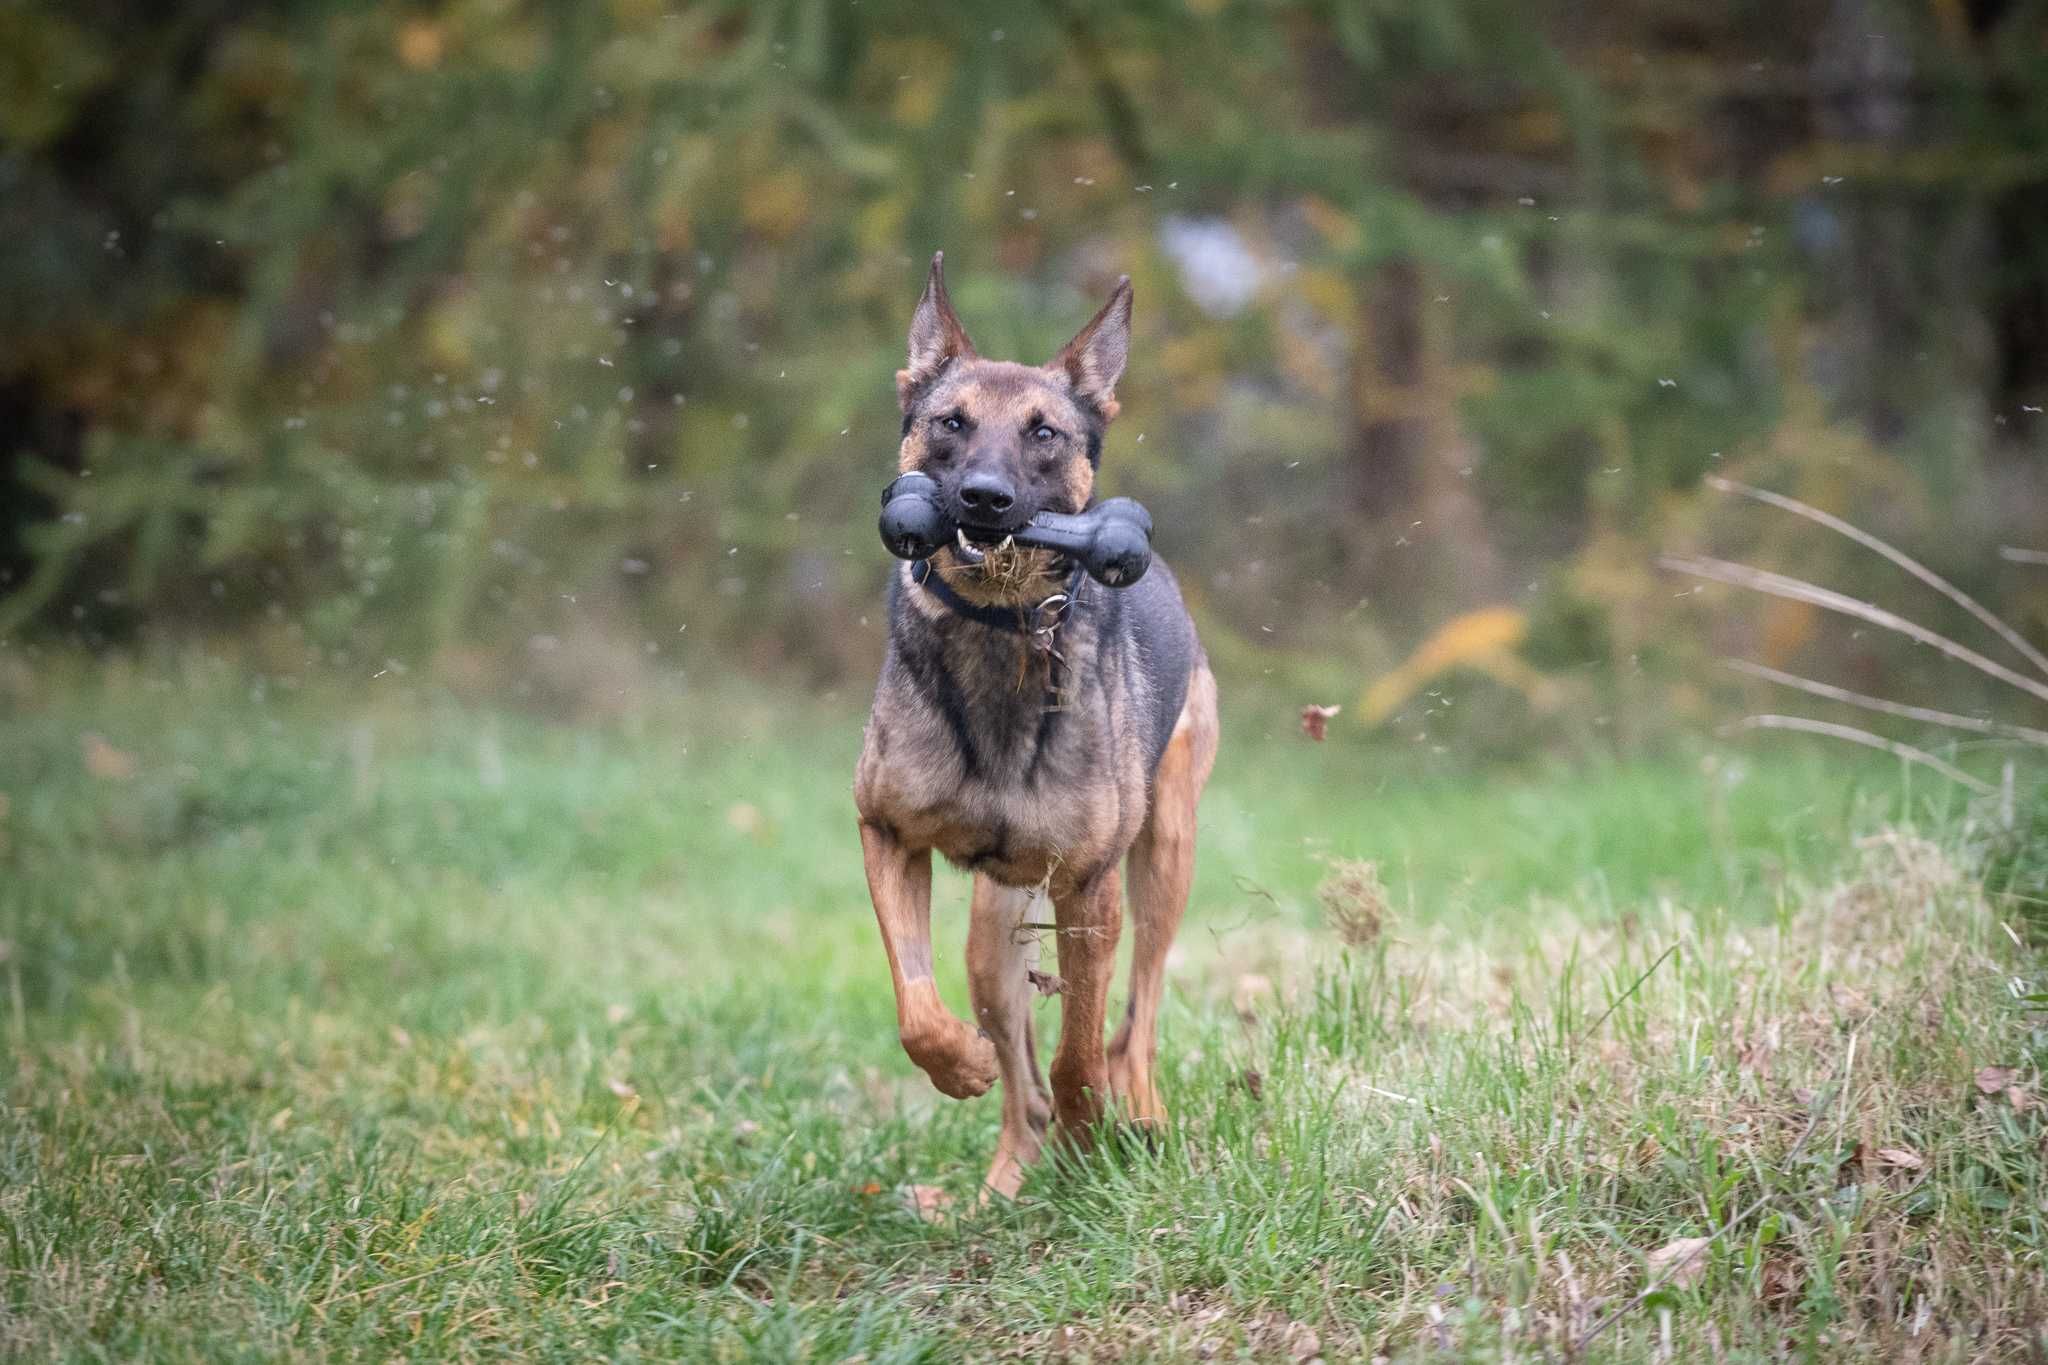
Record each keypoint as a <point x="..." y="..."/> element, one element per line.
<point x="1040" y="731"/>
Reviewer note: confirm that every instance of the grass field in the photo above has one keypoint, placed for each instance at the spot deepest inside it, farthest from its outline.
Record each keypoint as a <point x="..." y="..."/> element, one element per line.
<point x="368" y="1025"/>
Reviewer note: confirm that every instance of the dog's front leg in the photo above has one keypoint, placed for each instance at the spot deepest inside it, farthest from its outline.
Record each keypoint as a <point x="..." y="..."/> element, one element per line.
<point x="1089" y="919"/>
<point x="959" y="1060"/>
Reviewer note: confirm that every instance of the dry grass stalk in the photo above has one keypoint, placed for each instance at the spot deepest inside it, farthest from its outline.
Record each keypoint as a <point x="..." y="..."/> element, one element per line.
<point x="1798" y="590"/>
<point x="1985" y="615"/>
<point x="1868" y="740"/>
<point x="1009" y="568"/>
<point x="1974" y="724"/>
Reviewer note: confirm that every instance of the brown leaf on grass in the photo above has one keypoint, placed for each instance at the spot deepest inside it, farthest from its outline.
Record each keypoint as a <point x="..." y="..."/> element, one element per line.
<point x="1277" y="1334"/>
<point x="870" y="1188"/>
<point x="1992" y="1079"/>
<point x="104" y="761"/>
<point x="1254" y="1083"/>
<point x="1781" y="1279"/>
<point x="1046" y="982"/>
<point x="1681" y="1261"/>
<point x="622" y="1089"/>
<point x="1315" y="721"/>
<point x="2020" y="1098"/>
<point x="1900" y="1158"/>
<point x="928" y="1202"/>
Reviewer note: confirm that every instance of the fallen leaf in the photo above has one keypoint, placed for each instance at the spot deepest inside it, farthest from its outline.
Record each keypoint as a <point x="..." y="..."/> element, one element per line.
<point x="1302" y="1342"/>
<point x="104" y="761"/>
<point x="2019" y="1098"/>
<point x="1255" y="1083"/>
<point x="870" y="1188"/>
<point x="1904" y="1158"/>
<point x="745" y="1129"/>
<point x="1046" y="982"/>
<point x="1992" y="1079"/>
<point x="1278" y="1334"/>
<point x="1849" y="1000"/>
<point x="1680" y="1262"/>
<point x="928" y="1202"/>
<point x="622" y="1089"/>
<point x="1315" y="721"/>
<point x="1781" y="1279"/>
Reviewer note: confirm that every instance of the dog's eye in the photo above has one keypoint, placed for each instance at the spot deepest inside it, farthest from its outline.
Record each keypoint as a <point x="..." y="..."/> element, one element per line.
<point x="951" y="423"/>
<point x="1043" y="434"/>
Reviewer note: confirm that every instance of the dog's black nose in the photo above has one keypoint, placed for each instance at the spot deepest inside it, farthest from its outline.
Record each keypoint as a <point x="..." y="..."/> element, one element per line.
<point x="986" y="495"/>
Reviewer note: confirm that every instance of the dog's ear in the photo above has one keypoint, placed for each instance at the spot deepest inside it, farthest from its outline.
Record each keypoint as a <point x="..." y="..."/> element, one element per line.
<point x="1094" y="360"/>
<point x="936" y="337"/>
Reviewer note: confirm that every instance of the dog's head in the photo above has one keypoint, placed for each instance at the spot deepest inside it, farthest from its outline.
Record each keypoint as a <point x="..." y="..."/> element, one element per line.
<point x="1007" y="441"/>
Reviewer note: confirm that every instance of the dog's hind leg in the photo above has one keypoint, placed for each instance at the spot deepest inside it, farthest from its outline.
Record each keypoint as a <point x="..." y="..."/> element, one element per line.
<point x="1161" y="871"/>
<point x="1000" y="953"/>
<point x="1089" y="919"/>
<point x="959" y="1060"/>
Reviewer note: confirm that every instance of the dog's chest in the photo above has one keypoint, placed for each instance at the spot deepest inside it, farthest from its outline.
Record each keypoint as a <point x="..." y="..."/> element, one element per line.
<point x="965" y="756"/>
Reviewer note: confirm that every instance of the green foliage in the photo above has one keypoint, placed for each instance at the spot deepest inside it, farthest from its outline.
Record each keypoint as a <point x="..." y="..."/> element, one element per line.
<point x="387" y="332"/>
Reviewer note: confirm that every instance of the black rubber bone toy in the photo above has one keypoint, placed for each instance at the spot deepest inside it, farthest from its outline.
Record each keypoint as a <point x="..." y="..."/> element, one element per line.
<point x="1112" y="540"/>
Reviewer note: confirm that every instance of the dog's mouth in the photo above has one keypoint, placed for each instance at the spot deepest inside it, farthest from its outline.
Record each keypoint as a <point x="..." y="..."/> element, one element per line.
<point x="974" y="543"/>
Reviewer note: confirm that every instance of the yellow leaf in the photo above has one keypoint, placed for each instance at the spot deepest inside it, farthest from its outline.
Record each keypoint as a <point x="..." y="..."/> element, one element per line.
<point x="1483" y="638"/>
<point x="420" y="44"/>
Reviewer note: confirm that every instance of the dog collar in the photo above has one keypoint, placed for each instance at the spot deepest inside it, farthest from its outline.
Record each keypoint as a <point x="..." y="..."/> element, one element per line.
<point x="1039" y="620"/>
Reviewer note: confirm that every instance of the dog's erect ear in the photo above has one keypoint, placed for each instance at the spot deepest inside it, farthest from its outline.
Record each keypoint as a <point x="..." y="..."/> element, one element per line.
<point x="936" y="337"/>
<point x="1094" y="360"/>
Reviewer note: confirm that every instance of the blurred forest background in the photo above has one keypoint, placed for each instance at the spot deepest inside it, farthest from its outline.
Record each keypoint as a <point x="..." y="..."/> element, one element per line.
<point x="544" y="350"/>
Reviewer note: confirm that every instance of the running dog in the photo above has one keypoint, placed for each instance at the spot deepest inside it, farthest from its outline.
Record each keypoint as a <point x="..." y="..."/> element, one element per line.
<point x="1047" y="733"/>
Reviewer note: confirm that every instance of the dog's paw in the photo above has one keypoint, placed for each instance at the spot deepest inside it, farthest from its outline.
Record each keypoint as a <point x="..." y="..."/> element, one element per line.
<point x="962" y="1064"/>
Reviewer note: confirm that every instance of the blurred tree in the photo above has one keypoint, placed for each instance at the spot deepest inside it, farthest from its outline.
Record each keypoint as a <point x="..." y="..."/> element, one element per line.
<point x="465" y="330"/>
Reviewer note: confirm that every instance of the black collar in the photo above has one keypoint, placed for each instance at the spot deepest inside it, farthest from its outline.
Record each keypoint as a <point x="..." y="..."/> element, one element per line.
<point x="1032" y="620"/>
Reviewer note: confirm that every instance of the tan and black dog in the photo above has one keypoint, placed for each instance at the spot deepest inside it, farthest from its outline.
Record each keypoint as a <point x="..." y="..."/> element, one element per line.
<point x="1039" y="730"/>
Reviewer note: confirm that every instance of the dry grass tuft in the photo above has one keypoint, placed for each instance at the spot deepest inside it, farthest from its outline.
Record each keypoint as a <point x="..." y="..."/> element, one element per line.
<point x="1354" y="901"/>
<point x="1011" y="569"/>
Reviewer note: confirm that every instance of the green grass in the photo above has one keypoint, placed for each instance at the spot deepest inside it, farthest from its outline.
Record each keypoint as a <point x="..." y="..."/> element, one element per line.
<point x="373" y="1025"/>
